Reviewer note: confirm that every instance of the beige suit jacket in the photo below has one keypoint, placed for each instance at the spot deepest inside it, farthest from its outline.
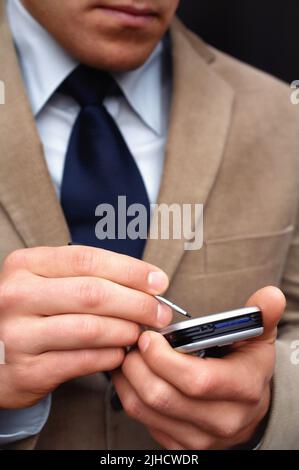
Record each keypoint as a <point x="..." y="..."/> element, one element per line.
<point x="233" y="145"/>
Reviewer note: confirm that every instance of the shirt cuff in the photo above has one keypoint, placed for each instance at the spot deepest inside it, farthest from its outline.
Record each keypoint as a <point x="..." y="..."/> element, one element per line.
<point x="21" y="423"/>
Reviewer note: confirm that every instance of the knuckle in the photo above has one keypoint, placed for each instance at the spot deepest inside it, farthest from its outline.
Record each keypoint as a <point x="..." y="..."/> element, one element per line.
<point x="145" y="306"/>
<point x="251" y="388"/>
<point x="253" y="394"/>
<point x="15" y="259"/>
<point x="158" y="398"/>
<point x="21" y="377"/>
<point x="136" y="272"/>
<point x="10" y="295"/>
<point x="86" y="357"/>
<point x="228" y="427"/>
<point x="85" y="360"/>
<point x="205" y="443"/>
<point x="129" y="273"/>
<point x="200" y="441"/>
<point x="200" y="383"/>
<point x="90" y="329"/>
<point x="7" y="335"/>
<point x="133" y="407"/>
<point x="29" y="375"/>
<point x="90" y="294"/>
<point x="253" y="391"/>
<point x="83" y="261"/>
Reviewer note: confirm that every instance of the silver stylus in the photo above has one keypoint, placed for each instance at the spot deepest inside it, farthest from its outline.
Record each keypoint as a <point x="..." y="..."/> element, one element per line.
<point x="173" y="306"/>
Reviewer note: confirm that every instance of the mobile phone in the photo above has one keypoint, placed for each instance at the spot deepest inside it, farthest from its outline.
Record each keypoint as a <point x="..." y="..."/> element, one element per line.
<point x="216" y="330"/>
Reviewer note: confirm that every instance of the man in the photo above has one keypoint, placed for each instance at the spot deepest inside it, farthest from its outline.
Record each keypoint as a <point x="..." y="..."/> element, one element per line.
<point x="193" y="126"/>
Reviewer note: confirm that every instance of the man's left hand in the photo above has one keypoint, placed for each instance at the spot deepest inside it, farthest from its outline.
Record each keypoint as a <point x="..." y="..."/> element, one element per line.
<point x="187" y="402"/>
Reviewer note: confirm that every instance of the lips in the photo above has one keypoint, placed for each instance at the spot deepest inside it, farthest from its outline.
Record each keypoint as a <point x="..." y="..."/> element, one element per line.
<point x="130" y="16"/>
<point x="134" y="10"/>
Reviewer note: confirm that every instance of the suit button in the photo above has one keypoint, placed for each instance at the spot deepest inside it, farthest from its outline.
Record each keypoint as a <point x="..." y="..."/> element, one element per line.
<point x="115" y="402"/>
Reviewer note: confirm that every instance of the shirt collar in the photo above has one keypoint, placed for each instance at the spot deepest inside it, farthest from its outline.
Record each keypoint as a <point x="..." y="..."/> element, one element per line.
<point x="45" y="65"/>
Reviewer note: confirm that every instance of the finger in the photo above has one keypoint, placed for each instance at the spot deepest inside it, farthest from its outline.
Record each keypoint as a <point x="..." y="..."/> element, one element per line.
<point x="77" y="261"/>
<point x="53" y="368"/>
<point x="240" y="376"/>
<point x="184" y="433"/>
<point x="272" y="303"/>
<point x="165" y="441"/>
<point x="69" y="332"/>
<point x="218" y="418"/>
<point x="88" y="295"/>
<point x="39" y="375"/>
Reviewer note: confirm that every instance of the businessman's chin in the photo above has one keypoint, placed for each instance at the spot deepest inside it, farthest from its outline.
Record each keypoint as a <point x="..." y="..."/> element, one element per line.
<point x="114" y="56"/>
<point x="111" y="45"/>
<point x="108" y="34"/>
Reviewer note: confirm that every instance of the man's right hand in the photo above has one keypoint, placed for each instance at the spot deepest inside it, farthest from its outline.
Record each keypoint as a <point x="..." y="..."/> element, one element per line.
<point x="70" y="311"/>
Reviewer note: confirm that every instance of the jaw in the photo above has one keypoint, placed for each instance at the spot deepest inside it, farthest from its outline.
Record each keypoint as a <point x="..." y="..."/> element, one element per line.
<point x="100" y="39"/>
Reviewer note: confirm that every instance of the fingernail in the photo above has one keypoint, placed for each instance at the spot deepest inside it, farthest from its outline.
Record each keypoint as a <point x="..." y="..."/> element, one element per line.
<point x="164" y="315"/>
<point x="158" y="281"/>
<point x="144" y="342"/>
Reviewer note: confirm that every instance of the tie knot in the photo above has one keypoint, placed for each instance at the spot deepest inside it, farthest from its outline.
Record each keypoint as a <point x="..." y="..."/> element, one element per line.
<point x="88" y="86"/>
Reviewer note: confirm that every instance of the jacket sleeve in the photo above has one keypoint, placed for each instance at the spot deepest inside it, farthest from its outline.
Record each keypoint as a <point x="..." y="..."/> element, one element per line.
<point x="283" y="426"/>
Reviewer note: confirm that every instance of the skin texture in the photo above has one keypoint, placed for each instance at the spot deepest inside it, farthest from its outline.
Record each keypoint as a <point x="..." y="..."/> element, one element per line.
<point x="191" y="403"/>
<point x="70" y="311"/>
<point x="99" y="39"/>
<point x="57" y="304"/>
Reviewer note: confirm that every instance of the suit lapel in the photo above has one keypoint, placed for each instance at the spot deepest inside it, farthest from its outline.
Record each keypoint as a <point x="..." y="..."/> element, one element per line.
<point x="26" y="191"/>
<point x="199" y="122"/>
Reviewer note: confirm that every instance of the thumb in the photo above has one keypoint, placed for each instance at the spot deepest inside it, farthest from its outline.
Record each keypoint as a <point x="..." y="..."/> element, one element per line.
<point x="272" y="303"/>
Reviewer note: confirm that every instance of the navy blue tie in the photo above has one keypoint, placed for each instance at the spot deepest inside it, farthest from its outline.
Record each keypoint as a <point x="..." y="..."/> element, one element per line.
<point x="99" y="166"/>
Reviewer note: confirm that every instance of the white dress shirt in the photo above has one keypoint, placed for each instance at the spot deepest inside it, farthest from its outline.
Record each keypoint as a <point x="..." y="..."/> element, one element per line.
<point x="141" y="115"/>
